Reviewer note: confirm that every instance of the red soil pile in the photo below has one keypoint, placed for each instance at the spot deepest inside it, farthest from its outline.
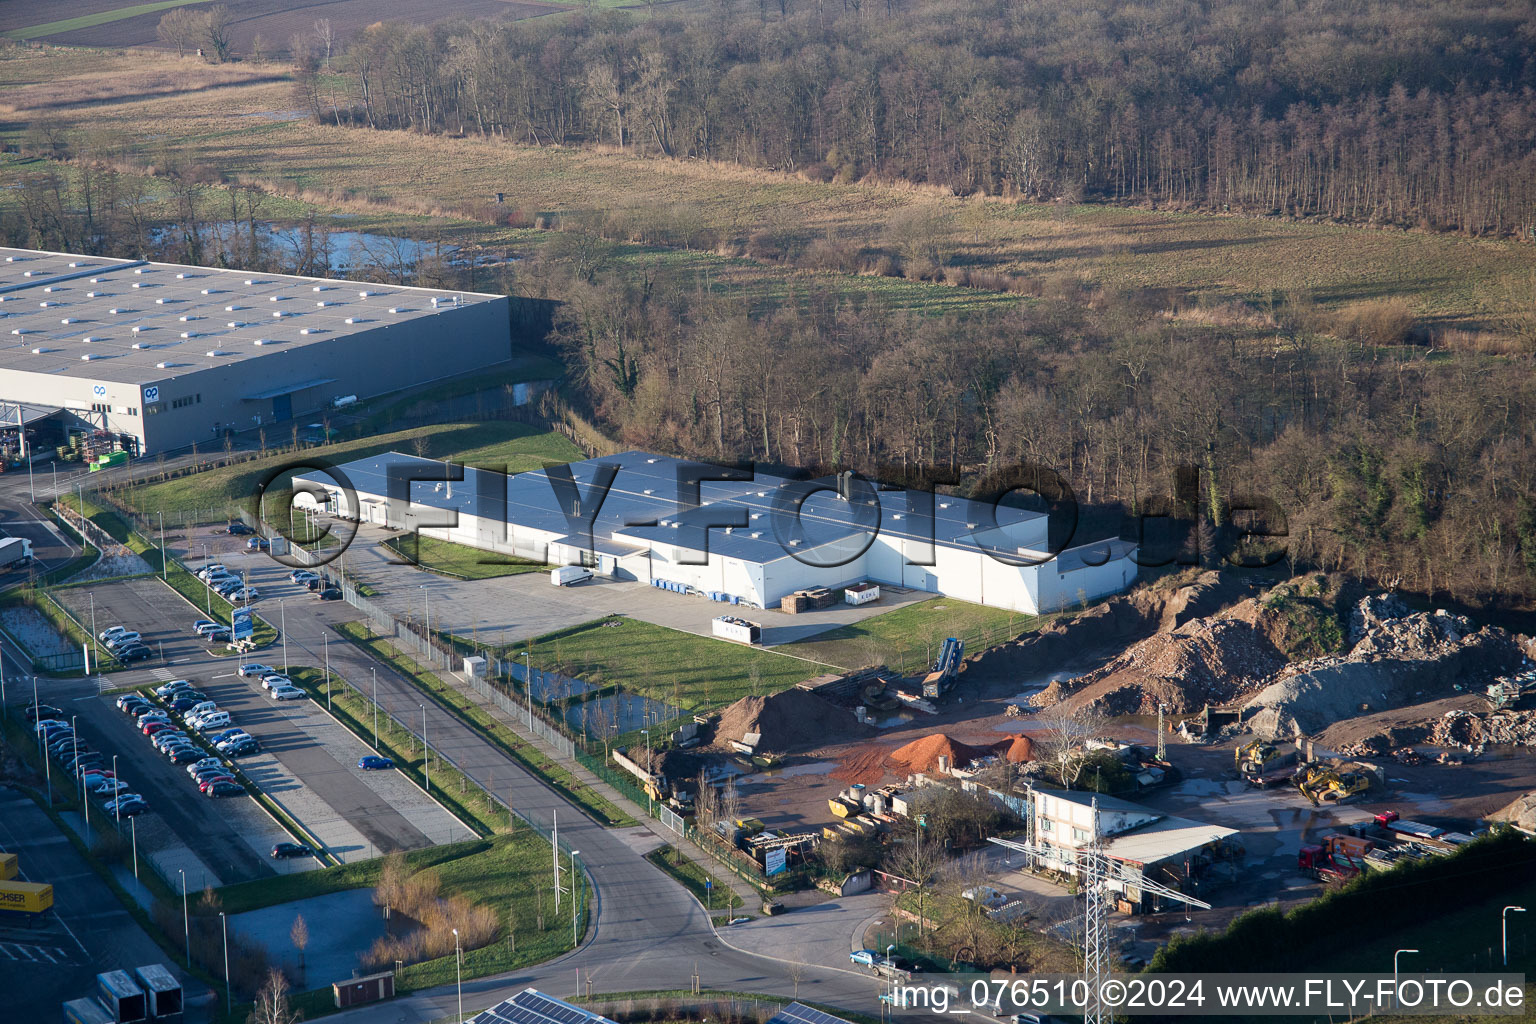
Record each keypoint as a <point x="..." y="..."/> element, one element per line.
<point x="866" y="763"/>
<point x="1020" y="750"/>
<point x="923" y="755"/>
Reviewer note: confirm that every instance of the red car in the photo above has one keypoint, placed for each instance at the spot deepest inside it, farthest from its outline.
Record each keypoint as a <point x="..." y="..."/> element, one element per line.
<point x="151" y="728"/>
<point x="209" y="783"/>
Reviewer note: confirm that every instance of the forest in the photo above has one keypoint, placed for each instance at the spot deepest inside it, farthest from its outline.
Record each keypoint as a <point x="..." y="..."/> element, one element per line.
<point x="1417" y="113"/>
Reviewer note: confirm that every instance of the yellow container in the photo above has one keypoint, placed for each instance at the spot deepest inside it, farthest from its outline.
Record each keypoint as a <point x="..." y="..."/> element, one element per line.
<point x="7" y="866"/>
<point x="28" y="897"/>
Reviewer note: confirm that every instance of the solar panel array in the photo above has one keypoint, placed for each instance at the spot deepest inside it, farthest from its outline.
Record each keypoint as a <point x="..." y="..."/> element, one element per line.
<point x="799" y="1013"/>
<point x="530" y="1006"/>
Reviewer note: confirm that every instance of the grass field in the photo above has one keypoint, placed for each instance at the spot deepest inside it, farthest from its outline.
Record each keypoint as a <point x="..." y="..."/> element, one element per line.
<point x="52" y="28"/>
<point x="459" y="560"/>
<point x="1448" y="279"/>
<point x="909" y="638"/>
<point x="529" y="756"/>
<point x="510" y="873"/>
<point x="520" y="446"/>
<point x="694" y="672"/>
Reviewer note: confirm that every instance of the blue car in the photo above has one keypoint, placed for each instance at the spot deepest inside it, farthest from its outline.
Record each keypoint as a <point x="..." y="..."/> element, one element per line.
<point x="375" y="763"/>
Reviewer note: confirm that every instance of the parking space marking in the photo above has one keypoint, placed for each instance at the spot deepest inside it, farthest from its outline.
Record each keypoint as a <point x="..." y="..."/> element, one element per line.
<point x="29" y="953"/>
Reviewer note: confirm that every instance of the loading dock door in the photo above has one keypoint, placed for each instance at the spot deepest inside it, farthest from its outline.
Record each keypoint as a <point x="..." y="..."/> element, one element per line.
<point x="282" y="407"/>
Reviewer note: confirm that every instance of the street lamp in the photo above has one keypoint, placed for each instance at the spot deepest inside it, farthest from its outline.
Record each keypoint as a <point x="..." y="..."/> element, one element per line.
<point x="186" y="925"/>
<point x="426" y="602"/>
<point x="458" y="967"/>
<point x="649" y="809"/>
<point x="426" y="765"/>
<point x="375" y="673"/>
<point x="228" y="996"/>
<point x="1504" y="930"/>
<point x="575" y="896"/>
<point x="117" y="805"/>
<point x="1394" y="973"/>
<point x="282" y="624"/>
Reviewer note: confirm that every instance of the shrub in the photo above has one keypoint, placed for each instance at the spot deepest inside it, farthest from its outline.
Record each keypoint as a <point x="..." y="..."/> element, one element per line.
<point x="1377" y="322"/>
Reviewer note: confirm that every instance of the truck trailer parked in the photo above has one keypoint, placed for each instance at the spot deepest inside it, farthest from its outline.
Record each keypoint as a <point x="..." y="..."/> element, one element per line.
<point x="122" y="997"/>
<point x="15" y="553"/>
<point x="30" y="898"/>
<point x="161" y="989"/>
<point x="86" y="1011"/>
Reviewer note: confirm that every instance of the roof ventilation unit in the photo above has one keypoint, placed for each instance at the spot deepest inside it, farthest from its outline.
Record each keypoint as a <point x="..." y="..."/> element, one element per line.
<point x="354" y="320"/>
<point x="233" y="309"/>
<point x="278" y="313"/>
<point x="310" y="330"/>
<point x="237" y="324"/>
<point x="20" y="330"/>
<point x="93" y="295"/>
<point x="649" y="491"/>
<point x="163" y="301"/>
<point x="47" y="302"/>
<point x="397" y="309"/>
<point x="181" y="277"/>
<point x="137" y="284"/>
<point x="87" y="357"/>
<point x="47" y="287"/>
<point x="319" y="288"/>
<point x="91" y="338"/>
<point x="274" y="298"/>
<point x="70" y="320"/>
<point x="138" y="270"/>
<point x="755" y="534"/>
<point x="323" y="303"/>
<point x="115" y="310"/>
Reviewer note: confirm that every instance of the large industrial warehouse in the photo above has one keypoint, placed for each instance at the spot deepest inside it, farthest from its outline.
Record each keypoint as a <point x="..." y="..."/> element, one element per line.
<point x="789" y="535"/>
<point x="161" y="356"/>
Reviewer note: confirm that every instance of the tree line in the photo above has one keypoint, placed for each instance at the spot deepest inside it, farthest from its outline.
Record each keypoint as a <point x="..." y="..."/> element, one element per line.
<point x="1420" y="113"/>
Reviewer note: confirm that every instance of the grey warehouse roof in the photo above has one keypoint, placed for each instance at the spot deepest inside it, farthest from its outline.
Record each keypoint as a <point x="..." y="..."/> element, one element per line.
<point x="135" y="322"/>
<point x="645" y="489"/>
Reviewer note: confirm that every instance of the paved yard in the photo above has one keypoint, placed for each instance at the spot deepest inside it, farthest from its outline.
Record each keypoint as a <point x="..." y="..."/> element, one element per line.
<point x="512" y="608"/>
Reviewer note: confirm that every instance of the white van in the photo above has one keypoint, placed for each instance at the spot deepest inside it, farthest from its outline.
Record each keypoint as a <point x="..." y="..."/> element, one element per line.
<point x="201" y="709"/>
<point x="566" y="575"/>
<point x="211" y="720"/>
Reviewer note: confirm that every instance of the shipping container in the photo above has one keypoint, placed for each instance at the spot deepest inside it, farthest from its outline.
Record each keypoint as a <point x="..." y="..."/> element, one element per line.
<point x="26" y="897"/>
<point x="862" y="593"/>
<point x="86" y="1011"/>
<point x="162" y="989"/>
<point x="7" y="866"/>
<point x="122" y="997"/>
<point x="729" y="627"/>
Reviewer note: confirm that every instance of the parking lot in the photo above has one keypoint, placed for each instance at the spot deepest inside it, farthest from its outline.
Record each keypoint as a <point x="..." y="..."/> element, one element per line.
<point x="307" y="764"/>
<point x="88" y="930"/>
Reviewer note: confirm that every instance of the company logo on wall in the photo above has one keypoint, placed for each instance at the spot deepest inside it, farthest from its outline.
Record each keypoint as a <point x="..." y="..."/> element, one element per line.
<point x="100" y="389"/>
<point x="151" y="394"/>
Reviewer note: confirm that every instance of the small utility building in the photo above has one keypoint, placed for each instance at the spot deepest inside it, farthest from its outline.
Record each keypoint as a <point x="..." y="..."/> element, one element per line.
<point x="163" y="356"/>
<point x="751" y="540"/>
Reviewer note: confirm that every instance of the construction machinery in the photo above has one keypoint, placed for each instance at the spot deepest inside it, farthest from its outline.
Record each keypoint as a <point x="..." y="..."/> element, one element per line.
<point x="1337" y="859"/>
<point x="1322" y="783"/>
<point x="1260" y="757"/>
<point x="945" y="669"/>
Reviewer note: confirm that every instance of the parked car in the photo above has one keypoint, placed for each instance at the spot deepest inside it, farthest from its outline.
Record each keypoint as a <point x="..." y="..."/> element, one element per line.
<point x="275" y="679"/>
<point x="43" y="711"/>
<point x="208" y="779"/>
<point x="202" y="624"/>
<point x="48" y="725"/>
<point x="375" y="763"/>
<point x="109" y="787"/>
<point x="207" y="762"/>
<point x="221" y="635"/>
<point x="174" y="686"/>
<point x="122" y="640"/>
<point x="110" y="632"/>
<point x="865" y="957"/>
<point x="233" y="732"/>
<point x="188" y="702"/>
<point x="150" y="728"/>
<point x="185" y="755"/>
<point x="302" y="575"/>
<point x="287" y="693"/>
<point x="256" y="668"/>
<point x="241" y="747"/>
<point x="283" y="851"/>
<point x="168" y="738"/>
<point x="237" y="529"/>
<point x="152" y="715"/>
<point x="223" y="789"/>
<point x="329" y="594"/>
<point x="245" y="594"/>
<point x="127" y="805"/>
<point x="258" y="544"/>
<point x="133" y="703"/>
<point x="133" y="654"/>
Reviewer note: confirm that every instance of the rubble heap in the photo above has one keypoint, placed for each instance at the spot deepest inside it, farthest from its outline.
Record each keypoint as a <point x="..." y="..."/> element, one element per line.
<point x="1398" y="657"/>
<point x="1204" y="661"/>
<point x="791" y="720"/>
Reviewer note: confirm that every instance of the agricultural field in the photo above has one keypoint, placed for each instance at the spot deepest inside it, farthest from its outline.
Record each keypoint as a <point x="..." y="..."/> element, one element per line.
<point x="1447" y="280"/>
<point x="112" y="23"/>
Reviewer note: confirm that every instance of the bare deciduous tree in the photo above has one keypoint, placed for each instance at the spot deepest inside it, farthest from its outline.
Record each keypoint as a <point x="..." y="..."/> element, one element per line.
<point x="180" y="28"/>
<point x="1064" y="741"/>
<point x="272" y="1002"/>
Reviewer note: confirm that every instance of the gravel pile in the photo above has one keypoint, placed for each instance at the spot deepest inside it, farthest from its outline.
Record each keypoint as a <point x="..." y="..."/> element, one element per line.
<point x="1398" y="658"/>
<point x="792" y="720"/>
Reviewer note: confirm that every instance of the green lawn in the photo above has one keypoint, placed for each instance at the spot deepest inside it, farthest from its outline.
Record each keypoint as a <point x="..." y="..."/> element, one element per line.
<point x="518" y="444"/>
<point x="100" y="18"/>
<point x="691" y="877"/>
<point x="908" y="638"/>
<point x="508" y="872"/>
<point x="529" y="756"/>
<point x="693" y="672"/>
<point x="459" y="560"/>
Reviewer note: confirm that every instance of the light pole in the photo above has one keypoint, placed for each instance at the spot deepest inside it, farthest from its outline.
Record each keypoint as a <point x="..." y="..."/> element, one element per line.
<point x="375" y="673"/>
<point x="325" y="642"/>
<point x="649" y="807"/>
<point x="133" y="828"/>
<point x="426" y="603"/>
<point x="165" y="559"/>
<point x="94" y="637"/>
<point x="117" y="805"/>
<point x="458" y="966"/>
<point x="1504" y="930"/>
<point x="426" y="765"/>
<point x="528" y="682"/>
<point x="1394" y="973"/>
<point x="575" y="897"/>
<point x="228" y="996"/>
<point x="186" y="923"/>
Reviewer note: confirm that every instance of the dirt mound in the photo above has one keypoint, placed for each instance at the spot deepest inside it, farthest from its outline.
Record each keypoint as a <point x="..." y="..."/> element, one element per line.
<point x="1398" y="658"/>
<point x="791" y="720"/>
<point x="1206" y="661"/>
<point x="867" y="763"/>
<point x="1521" y="813"/>
<point x="1019" y="751"/>
<point x="922" y="755"/>
<point x="1111" y="623"/>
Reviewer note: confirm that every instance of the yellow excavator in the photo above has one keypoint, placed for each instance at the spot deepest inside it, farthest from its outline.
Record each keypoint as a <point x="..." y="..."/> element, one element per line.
<point x="1258" y="757"/>
<point x="1321" y="783"/>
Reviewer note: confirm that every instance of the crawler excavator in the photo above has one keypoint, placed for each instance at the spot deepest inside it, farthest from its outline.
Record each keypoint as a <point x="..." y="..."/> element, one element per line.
<point x="1321" y="783"/>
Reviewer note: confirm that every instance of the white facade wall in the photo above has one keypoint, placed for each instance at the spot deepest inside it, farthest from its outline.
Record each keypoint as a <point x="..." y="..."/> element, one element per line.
<point x="1061" y="590"/>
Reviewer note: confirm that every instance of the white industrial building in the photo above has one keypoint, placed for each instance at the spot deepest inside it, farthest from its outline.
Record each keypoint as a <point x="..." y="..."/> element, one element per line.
<point x="162" y="356"/>
<point x="787" y="535"/>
